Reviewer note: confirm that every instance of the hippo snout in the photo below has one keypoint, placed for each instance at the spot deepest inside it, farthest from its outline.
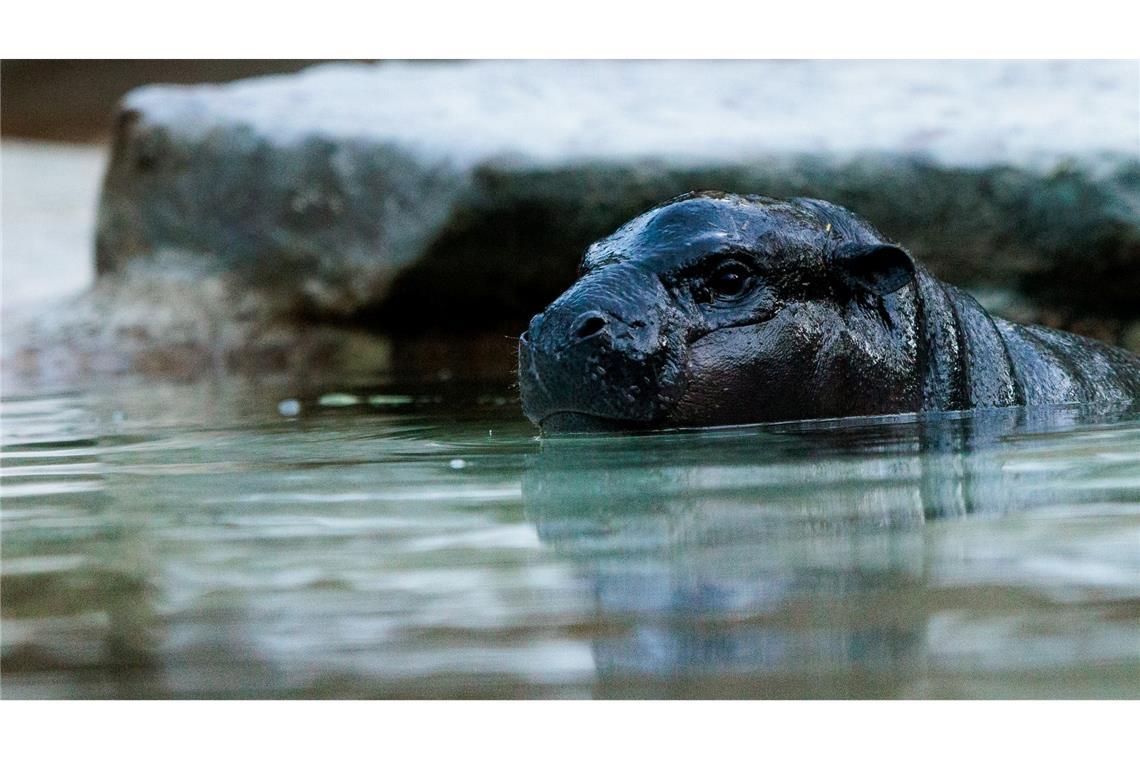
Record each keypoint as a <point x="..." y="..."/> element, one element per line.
<point x="601" y="356"/>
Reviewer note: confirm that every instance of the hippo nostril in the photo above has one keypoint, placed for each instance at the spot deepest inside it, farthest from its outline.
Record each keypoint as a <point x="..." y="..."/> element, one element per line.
<point x="589" y="325"/>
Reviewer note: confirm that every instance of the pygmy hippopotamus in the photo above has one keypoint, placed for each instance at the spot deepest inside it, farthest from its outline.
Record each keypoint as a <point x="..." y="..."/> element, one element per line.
<point x="720" y="309"/>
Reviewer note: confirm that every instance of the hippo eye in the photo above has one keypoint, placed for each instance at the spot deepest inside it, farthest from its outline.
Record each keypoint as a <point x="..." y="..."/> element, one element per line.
<point x="729" y="280"/>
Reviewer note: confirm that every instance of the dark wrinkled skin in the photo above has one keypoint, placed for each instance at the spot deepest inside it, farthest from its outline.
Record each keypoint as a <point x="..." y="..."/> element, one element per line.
<point x="717" y="309"/>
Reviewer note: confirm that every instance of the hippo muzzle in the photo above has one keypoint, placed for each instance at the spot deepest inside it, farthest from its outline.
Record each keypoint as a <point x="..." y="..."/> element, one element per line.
<point x="606" y="355"/>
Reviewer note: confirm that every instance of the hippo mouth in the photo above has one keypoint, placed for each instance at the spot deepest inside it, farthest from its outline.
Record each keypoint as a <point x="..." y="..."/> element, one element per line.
<point x="566" y="402"/>
<point x="563" y="422"/>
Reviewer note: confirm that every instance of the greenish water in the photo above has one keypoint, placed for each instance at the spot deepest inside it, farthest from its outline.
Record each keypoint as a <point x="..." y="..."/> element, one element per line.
<point x="419" y="541"/>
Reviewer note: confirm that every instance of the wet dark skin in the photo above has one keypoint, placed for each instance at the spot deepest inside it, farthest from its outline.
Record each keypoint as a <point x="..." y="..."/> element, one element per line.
<point x="718" y="309"/>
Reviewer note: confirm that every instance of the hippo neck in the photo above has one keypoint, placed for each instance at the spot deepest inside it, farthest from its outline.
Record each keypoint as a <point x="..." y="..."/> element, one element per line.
<point x="963" y="360"/>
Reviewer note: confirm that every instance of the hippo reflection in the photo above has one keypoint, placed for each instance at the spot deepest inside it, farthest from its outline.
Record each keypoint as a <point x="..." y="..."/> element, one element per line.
<point x="718" y="309"/>
<point x="775" y="553"/>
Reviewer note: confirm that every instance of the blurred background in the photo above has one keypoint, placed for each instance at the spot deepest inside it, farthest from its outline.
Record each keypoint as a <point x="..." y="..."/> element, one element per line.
<point x="74" y="101"/>
<point x="195" y="217"/>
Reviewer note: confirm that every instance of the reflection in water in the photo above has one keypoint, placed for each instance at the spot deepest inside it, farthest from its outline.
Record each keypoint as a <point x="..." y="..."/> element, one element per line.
<point x="189" y="541"/>
<point x="848" y="558"/>
<point x="180" y="541"/>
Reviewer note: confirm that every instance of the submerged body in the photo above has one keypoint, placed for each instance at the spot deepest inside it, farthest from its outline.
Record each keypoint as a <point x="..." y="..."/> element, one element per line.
<point x="717" y="309"/>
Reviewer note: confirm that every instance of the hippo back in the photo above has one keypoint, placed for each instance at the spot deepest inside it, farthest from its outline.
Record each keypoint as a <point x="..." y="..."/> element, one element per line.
<point x="971" y="359"/>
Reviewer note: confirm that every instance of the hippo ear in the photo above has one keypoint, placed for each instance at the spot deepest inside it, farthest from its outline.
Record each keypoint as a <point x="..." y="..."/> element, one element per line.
<point x="880" y="268"/>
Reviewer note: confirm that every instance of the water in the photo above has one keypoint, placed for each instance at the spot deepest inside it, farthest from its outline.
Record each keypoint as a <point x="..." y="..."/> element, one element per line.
<point x="237" y="540"/>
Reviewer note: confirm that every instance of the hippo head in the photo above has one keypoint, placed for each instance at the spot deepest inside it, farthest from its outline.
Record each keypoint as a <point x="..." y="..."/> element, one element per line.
<point x="715" y="309"/>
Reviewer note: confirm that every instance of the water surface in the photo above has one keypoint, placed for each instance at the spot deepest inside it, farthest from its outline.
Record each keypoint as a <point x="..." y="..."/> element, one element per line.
<point x="231" y="539"/>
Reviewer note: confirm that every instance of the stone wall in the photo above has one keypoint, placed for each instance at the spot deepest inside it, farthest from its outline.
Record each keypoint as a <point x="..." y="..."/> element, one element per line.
<point x="456" y="196"/>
